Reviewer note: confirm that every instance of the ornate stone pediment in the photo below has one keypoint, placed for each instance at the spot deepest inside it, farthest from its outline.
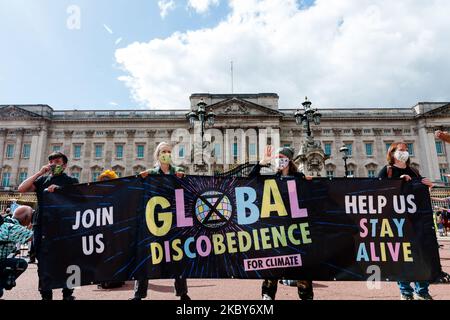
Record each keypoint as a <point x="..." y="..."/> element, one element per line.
<point x="16" y="113"/>
<point x="239" y="107"/>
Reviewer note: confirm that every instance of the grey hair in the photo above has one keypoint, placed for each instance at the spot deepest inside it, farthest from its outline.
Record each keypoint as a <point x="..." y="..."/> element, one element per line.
<point x="158" y="150"/>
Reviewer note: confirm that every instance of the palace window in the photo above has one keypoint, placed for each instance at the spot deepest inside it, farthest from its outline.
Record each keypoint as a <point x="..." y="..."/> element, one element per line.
<point x="327" y="146"/>
<point x="6" y="179"/>
<point x="369" y="149"/>
<point x="23" y="175"/>
<point x="26" y="151"/>
<point x="77" y="151"/>
<point x="98" y="151"/>
<point x="439" y="148"/>
<point x="119" y="151"/>
<point x="10" y="151"/>
<point x="140" y="151"/>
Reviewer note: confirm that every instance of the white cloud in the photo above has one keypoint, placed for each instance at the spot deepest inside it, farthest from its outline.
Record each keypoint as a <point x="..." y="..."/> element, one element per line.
<point x="202" y="6"/>
<point x="165" y="6"/>
<point x="340" y="53"/>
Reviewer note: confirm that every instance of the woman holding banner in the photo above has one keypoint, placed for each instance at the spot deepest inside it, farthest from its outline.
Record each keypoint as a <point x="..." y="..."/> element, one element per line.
<point x="285" y="167"/>
<point x="399" y="167"/>
<point x="163" y="165"/>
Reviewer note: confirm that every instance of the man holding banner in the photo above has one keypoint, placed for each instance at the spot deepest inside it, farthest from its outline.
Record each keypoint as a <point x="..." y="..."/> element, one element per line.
<point x="50" y="178"/>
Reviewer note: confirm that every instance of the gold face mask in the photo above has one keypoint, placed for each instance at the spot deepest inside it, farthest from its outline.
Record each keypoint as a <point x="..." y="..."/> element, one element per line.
<point x="165" y="158"/>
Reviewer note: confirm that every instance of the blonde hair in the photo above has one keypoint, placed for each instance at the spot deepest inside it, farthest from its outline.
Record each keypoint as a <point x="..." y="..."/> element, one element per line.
<point x="158" y="151"/>
<point x="109" y="174"/>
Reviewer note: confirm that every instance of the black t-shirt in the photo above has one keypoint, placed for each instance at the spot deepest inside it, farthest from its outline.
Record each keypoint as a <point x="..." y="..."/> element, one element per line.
<point x="256" y="172"/>
<point x="398" y="172"/>
<point x="44" y="182"/>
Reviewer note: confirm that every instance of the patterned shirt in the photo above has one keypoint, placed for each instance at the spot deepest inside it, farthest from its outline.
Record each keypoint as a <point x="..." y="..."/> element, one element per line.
<point x="11" y="234"/>
<point x="172" y="170"/>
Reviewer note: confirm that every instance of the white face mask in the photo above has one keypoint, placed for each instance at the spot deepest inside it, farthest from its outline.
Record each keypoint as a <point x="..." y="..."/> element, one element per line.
<point x="281" y="163"/>
<point x="401" y="156"/>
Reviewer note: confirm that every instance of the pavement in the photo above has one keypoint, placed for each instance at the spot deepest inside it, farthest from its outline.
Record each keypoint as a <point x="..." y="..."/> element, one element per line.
<point x="235" y="289"/>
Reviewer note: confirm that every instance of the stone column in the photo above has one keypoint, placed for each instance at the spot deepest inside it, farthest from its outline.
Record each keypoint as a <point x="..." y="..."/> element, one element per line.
<point x="427" y="153"/>
<point x="3" y="133"/>
<point x="67" y="144"/>
<point x="129" y="153"/>
<point x="274" y="134"/>
<point x="88" y="156"/>
<point x="41" y="150"/>
<point x="33" y="166"/>
<point x="340" y="169"/>
<point x="151" y="148"/>
<point x="17" y="157"/>
<point x="262" y="142"/>
<point x="359" y="153"/>
<point x="297" y="139"/>
<point x="379" y="149"/>
<point x="109" y="148"/>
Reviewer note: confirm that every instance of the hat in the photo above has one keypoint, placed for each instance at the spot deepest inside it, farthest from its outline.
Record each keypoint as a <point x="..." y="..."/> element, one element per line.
<point x="286" y="151"/>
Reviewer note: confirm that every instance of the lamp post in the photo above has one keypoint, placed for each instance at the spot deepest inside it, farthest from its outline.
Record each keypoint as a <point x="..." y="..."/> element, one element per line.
<point x="309" y="115"/>
<point x="203" y="117"/>
<point x="344" y="150"/>
<point x="311" y="156"/>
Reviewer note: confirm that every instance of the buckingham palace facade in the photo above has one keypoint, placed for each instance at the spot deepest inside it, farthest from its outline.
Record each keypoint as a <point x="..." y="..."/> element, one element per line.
<point x="124" y="140"/>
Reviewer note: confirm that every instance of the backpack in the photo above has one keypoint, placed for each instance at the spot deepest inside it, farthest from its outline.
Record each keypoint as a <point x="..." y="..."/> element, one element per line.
<point x="389" y="171"/>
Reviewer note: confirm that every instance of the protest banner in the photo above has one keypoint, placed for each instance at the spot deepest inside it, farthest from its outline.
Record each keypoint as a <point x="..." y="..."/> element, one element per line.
<point x="208" y="227"/>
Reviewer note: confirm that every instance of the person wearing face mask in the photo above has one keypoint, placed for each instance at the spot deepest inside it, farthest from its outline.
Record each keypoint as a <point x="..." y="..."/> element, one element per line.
<point x="14" y="231"/>
<point x="285" y="166"/>
<point x="50" y="178"/>
<point x="163" y="165"/>
<point x="399" y="167"/>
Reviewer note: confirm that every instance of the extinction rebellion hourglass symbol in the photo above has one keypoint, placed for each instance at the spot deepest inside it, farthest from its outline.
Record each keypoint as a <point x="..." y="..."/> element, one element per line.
<point x="213" y="209"/>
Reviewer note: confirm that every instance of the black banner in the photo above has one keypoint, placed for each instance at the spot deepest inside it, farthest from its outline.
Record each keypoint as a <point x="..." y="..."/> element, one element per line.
<point x="209" y="227"/>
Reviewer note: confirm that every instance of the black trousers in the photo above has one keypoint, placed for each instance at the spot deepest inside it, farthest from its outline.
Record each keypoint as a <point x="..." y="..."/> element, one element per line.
<point x="45" y="279"/>
<point x="141" y="287"/>
<point x="304" y="287"/>
<point x="10" y="270"/>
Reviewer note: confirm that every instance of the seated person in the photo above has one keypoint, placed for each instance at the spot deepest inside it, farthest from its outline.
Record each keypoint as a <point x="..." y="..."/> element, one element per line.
<point x="13" y="231"/>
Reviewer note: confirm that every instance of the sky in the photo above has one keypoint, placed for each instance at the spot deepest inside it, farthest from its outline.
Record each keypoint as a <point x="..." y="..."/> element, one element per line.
<point x="152" y="54"/>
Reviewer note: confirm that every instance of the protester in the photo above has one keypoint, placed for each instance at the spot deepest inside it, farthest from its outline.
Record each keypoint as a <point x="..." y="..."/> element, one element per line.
<point x="163" y="165"/>
<point x="285" y="167"/>
<point x="13" y="232"/>
<point x="106" y="176"/>
<point x="399" y="167"/>
<point x="50" y="178"/>
<point x="440" y="223"/>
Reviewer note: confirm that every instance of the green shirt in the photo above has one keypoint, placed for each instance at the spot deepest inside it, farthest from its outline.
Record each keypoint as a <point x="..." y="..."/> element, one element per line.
<point x="172" y="170"/>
